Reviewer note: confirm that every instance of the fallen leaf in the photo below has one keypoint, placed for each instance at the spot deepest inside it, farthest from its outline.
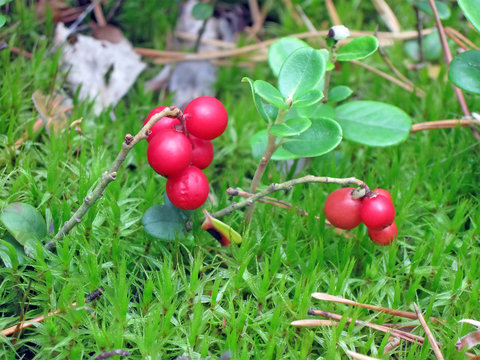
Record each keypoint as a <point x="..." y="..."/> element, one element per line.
<point x="468" y="341"/>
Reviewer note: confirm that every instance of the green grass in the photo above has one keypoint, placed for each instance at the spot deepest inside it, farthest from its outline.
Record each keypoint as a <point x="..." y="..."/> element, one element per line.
<point x="165" y="299"/>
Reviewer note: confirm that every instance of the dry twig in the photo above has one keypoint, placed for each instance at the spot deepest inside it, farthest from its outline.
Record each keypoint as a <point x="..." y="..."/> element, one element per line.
<point x="431" y="339"/>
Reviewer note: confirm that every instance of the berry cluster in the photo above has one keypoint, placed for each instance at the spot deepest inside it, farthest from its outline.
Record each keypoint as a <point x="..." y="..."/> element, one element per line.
<point x="179" y="148"/>
<point x="375" y="210"/>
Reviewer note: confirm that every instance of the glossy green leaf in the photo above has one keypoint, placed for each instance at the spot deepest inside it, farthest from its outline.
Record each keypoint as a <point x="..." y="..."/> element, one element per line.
<point x="471" y="9"/>
<point x="339" y="93"/>
<point x="291" y="127"/>
<point x="163" y="222"/>
<point x="9" y="255"/>
<point x="442" y="8"/>
<point x="373" y="123"/>
<point x="309" y="98"/>
<point x="24" y="222"/>
<point x="267" y="112"/>
<point x="279" y="51"/>
<point x="202" y="11"/>
<point x="316" y="111"/>
<point x="321" y="137"/>
<point x="301" y="72"/>
<point x="258" y="143"/>
<point x="3" y="20"/>
<point x="358" y="48"/>
<point x="465" y="71"/>
<point x="269" y="93"/>
<point x="432" y="47"/>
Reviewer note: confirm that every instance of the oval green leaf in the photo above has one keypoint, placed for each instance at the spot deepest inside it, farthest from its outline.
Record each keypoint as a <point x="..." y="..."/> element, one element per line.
<point x="258" y="143"/>
<point x="373" y="123"/>
<point x="279" y="51"/>
<point x="339" y="93"/>
<point x="432" y="47"/>
<point x="465" y="71"/>
<point x="309" y="98"/>
<point x="322" y="136"/>
<point x="24" y="222"/>
<point x="202" y="11"/>
<point x="291" y="127"/>
<point x="358" y="48"/>
<point x="269" y="93"/>
<point x="3" y="20"/>
<point x="301" y="72"/>
<point x="163" y="222"/>
<point x="267" y="112"/>
<point x="442" y="8"/>
<point x="471" y="9"/>
<point x="317" y="110"/>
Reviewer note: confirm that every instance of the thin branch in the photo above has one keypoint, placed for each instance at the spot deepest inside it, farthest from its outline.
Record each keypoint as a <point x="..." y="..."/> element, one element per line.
<point x="421" y="51"/>
<point x="358" y="356"/>
<point x="109" y="175"/>
<point x="313" y="323"/>
<point x="332" y="12"/>
<point x="97" y="10"/>
<point x="387" y="15"/>
<point x="431" y="339"/>
<point x="287" y="186"/>
<point x="392" y="67"/>
<point x="444" y="124"/>
<point x="392" y="345"/>
<point x="462" y="37"/>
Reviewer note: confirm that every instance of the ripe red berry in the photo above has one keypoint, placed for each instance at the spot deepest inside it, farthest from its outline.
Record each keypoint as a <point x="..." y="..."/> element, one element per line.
<point x="202" y="152"/>
<point x="169" y="152"/>
<point x="206" y="117"/>
<point x="165" y="123"/>
<point x="342" y="210"/>
<point x="383" y="192"/>
<point x="189" y="189"/>
<point x="377" y="211"/>
<point x="384" y="236"/>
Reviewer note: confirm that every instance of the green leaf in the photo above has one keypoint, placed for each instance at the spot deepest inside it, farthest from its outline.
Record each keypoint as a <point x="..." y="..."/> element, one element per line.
<point x="24" y="222"/>
<point x="3" y="20"/>
<point x="258" y="143"/>
<point x="317" y="110"/>
<point x="301" y="72"/>
<point x="321" y="137"/>
<point x="3" y="2"/>
<point x="442" y="8"/>
<point x="358" y="48"/>
<point x="267" y="112"/>
<point x="279" y="51"/>
<point x="339" y="93"/>
<point x="202" y="11"/>
<point x="269" y="93"/>
<point x="465" y="71"/>
<point x="9" y="255"/>
<point x="432" y="47"/>
<point x="309" y="98"/>
<point x="163" y="222"/>
<point x="291" y="127"/>
<point x="373" y="123"/>
<point x="471" y="9"/>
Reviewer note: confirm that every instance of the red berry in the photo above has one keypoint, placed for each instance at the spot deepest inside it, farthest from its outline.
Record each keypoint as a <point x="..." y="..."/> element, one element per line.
<point x="189" y="189"/>
<point x="169" y="152"/>
<point x="205" y="117"/>
<point x="384" y="236"/>
<point x="202" y="152"/>
<point x="165" y="123"/>
<point x="383" y="192"/>
<point x="342" y="210"/>
<point x="377" y="211"/>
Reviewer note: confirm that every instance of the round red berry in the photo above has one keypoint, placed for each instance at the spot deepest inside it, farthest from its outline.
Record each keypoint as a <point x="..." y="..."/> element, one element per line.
<point x="383" y="192"/>
<point x="342" y="210"/>
<point x="206" y="117"/>
<point x="189" y="189"/>
<point x="202" y="152"/>
<point x="169" y="152"/>
<point x="384" y="236"/>
<point x="165" y="123"/>
<point x="377" y="211"/>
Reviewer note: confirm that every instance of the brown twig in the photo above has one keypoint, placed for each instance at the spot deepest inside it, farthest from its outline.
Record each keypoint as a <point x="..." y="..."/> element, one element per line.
<point x="444" y="124"/>
<point x="313" y="323"/>
<point x="97" y="10"/>
<point x="421" y="51"/>
<point x="462" y="37"/>
<point x="358" y="356"/>
<point x="387" y="15"/>
<point x="332" y="12"/>
<point x="392" y="345"/>
<point x="340" y="300"/>
<point x="457" y="41"/>
<point x="392" y="67"/>
<point x="428" y="332"/>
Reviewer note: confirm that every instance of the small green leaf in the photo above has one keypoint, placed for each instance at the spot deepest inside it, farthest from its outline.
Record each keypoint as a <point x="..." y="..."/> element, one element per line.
<point x="202" y="11"/>
<point x="329" y="66"/>
<point x="465" y="71"/>
<point x="339" y="93"/>
<point x="317" y="110"/>
<point x="3" y="2"/>
<point x="279" y="51"/>
<point x="291" y="127"/>
<point x="163" y="222"/>
<point x="301" y="72"/>
<point x="267" y="112"/>
<point x="471" y="9"/>
<point x="258" y="143"/>
<point x="24" y="222"/>
<point x="358" y="48"/>
<point x="9" y="255"/>
<point x="309" y="98"/>
<point x="432" y="47"/>
<point x="269" y="93"/>
<point x="321" y="137"/>
<point x="373" y="123"/>
<point x="3" y="20"/>
<point x="442" y="8"/>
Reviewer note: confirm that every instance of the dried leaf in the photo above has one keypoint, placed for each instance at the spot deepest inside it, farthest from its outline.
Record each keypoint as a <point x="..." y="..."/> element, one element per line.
<point x="471" y="322"/>
<point x="50" y="110"/>
<point x="109" y="33"/>
<point x="468" y="341"/>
